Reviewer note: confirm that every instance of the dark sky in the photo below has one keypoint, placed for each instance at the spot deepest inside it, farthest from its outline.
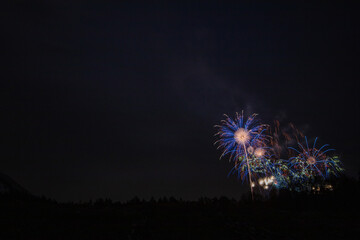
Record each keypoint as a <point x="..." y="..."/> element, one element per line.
<point x="119" y="99"/>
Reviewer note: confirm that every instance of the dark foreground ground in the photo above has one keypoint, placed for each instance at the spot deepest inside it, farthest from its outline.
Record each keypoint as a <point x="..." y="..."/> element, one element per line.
<point x="332" y="215"/>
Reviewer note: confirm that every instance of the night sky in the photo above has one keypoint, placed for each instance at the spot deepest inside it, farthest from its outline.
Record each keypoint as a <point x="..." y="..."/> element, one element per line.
<point x="120" y="99"/>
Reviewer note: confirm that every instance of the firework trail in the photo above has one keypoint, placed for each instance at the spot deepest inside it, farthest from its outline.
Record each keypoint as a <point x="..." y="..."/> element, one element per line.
<point x="244" y="142"/>
<point x="282" y="138"/>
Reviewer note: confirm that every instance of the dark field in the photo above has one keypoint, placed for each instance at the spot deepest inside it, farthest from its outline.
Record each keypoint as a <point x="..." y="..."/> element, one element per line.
<point x="331" y="215"/>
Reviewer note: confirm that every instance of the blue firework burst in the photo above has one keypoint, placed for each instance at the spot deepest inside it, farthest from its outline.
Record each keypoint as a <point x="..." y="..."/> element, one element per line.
<point x="312" y="162"/>
<point x="235" y="136"/>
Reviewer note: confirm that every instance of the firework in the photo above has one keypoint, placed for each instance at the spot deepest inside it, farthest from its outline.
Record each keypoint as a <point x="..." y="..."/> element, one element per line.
<point x="244" y="142"/>
<point x="282" y="138"/>
<point x="333" y="167"/>
<point x="281" y="173"/>
<point x="259" y="158"/>
<point x="312" y="162"/>
<point x="236" y="136"/>
<point x="257" y="163"/>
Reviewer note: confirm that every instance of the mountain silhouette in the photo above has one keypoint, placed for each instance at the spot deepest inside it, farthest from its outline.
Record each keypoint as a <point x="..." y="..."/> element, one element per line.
<point x="9" y="186"/>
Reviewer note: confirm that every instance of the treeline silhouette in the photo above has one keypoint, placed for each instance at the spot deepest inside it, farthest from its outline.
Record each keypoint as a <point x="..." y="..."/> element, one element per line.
<point x="282" y="215"/>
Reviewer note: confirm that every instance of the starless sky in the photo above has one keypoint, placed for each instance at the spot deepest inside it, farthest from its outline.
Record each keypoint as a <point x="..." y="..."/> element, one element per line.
<point x="117" y="99"/>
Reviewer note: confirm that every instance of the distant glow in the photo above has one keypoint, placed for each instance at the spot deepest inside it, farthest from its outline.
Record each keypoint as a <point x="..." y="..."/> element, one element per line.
<point x="329" y="187"/>
<point x="266" y="182"/>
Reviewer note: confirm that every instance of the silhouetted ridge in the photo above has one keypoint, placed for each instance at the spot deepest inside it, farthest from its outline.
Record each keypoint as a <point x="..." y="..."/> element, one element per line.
<point x="9" y="186"/>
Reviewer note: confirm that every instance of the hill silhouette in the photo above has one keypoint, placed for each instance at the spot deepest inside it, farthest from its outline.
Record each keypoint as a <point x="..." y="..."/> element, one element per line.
<point x="8" y="185"/>
<point x="286" y="215"/>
